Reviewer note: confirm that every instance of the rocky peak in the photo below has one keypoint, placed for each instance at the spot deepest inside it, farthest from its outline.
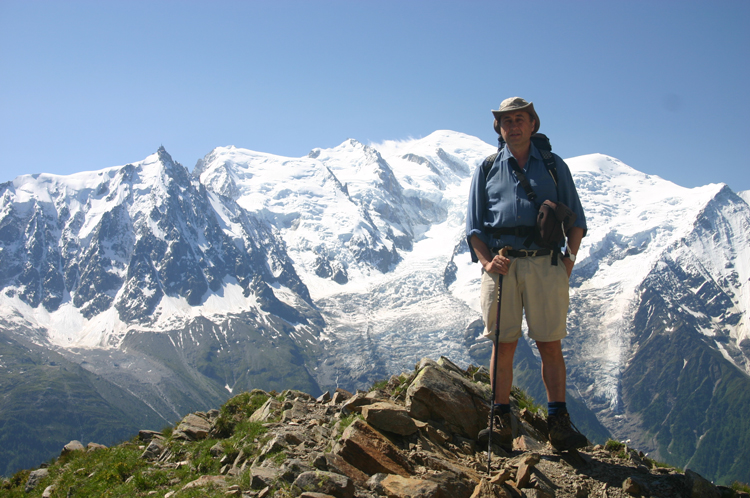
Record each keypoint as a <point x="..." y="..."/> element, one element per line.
<point x="412" y="436"/>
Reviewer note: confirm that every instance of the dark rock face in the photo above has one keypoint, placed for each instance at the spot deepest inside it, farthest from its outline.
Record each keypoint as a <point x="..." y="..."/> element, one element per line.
<point x="153" y="240"/>
<point x="102" y="263"/>
<point x="141" y="292"/>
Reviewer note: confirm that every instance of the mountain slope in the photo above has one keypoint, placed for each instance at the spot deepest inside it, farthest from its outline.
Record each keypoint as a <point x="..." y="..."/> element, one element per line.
<point x="339" y="268"/>
<point x="47" y="399"/>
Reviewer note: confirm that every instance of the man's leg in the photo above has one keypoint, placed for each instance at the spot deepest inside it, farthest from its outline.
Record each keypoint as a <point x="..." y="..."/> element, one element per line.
<point x="503" y="353"/>
<point x="553" y="370"/>
<point x="502" y="426"/>
<point x="562" y="434"/>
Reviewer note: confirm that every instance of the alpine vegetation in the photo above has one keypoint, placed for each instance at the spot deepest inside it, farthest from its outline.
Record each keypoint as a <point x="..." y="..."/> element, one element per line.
<point x="136" y="294"/>
<point x="392" y="440"/>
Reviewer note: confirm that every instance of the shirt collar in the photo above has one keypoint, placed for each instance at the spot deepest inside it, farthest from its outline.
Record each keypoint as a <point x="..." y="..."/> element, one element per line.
<point x="506" y="154"/>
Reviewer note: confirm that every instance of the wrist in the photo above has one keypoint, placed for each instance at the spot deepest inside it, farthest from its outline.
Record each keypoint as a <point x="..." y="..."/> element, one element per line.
<point x="569" y="254"/>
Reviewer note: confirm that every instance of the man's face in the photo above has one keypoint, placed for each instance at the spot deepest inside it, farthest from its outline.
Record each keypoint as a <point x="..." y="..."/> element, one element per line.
<point x="516" y="128"/>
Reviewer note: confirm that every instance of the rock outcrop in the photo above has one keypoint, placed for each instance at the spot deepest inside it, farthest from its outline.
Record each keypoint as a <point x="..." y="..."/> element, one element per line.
<point x="414" y="436"/>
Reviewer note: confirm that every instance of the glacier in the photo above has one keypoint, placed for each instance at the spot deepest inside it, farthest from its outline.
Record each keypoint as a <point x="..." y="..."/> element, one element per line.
<point x="358" y="252"/>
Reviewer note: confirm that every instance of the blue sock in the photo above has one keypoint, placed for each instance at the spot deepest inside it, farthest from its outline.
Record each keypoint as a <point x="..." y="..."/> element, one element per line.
<point x="556" y="408"/>
<point x="501" y="408"/>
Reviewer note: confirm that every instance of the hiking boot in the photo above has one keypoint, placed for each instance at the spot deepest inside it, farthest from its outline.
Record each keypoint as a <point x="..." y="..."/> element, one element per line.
<point x="563" y="435"/>
<point x="502" y="431"/>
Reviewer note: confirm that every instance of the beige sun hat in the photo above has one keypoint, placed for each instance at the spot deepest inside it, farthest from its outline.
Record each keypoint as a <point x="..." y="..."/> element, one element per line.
<point x="514" y="104"/>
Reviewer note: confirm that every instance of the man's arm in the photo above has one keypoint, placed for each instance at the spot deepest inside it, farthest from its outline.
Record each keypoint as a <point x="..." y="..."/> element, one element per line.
<point x="575" y="236"/>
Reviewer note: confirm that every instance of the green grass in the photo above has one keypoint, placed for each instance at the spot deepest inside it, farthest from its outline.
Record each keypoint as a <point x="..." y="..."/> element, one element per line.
<point x="119" y="470"/>
<point x="526" y="401"/>
<point x="657" y="464"/>
<point x="379" y="385"/>
<point x="236" y="410"/>
<point x="349" y="420"/>
<point x="612" y="445"/>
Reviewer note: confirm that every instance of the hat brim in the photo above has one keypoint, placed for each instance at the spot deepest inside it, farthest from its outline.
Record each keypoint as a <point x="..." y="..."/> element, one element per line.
<point x="528" y="108"/>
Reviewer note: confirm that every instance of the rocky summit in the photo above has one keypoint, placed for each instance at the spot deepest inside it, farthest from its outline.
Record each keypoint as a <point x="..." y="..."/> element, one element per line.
<point x="409" y="437"/>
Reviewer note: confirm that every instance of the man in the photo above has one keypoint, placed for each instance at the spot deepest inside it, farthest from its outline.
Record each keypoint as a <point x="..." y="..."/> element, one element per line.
<point x="500" y="215"/>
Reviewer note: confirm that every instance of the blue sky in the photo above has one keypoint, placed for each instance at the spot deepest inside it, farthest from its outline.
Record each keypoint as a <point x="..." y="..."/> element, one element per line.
<point x="661" y="85"/>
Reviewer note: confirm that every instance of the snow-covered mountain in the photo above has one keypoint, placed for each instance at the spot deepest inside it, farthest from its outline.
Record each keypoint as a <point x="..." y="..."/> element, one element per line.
<point x="350" y="264"/>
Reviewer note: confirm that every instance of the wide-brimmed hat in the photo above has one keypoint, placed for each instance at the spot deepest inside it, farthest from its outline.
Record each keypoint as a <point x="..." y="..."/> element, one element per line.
<point x="514" y="104"/>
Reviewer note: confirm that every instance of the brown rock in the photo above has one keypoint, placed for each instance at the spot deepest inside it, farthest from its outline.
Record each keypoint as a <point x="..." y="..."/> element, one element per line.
<point x="698" y="486"/>
<point x="35" y="477"/>
<point x="71" y="447"/>
<point x="440" y="394"/>
<point x="206" y="481"/>
<point x="501" y="477"/>
<point x="335" y="462"/>
<point x="483" y="490"/>
<point x="449" y="365"/>
<point x="580" y="491"/>
<point x="527" y="458"/>
<point x="95" y="446"/>
<point x="326" y="483"/>
<point x="395" y="486"/>
<point x="217" y="450"/>
<point x="435" y="435"/>
<point x="542" y="482"/>
<point x="455" y="484"/>
<point x="377" y="395"/>
<point x="523" y="475"/>
<point x="297" y="412"/>
<point x="536" y="493"/>
<point x="145" y="435"/>
<point x="481" y="375"/>
<point x="266" y="412"/>
<point x="264" y="476"/>
<point x="526" y="464"/>
<point x="194" y="427"/>
<point x="538" y="422"/>
<point x="153" y="450"/>
<point x="389" y="417"/>
<point x="527" y="443"/>
<point x="366" y="449"/>
<point x="355" y="403"/>
<point x="631" y="487"/>
<point x="340" y="396"/>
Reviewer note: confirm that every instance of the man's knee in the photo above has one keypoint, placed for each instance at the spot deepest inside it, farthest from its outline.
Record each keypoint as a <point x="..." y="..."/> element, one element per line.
<point x="505" y="350"/>
<point x="550" y="351"/>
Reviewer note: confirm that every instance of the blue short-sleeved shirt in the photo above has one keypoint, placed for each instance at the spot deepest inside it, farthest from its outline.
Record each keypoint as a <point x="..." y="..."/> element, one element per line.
<point x="500" y="200"/>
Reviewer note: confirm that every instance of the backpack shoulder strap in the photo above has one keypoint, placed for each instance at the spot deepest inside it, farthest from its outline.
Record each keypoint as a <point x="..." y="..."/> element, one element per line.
<point x="542" y="144"/>
<point x="522" y="179"/>
<point x="487" y="164"/>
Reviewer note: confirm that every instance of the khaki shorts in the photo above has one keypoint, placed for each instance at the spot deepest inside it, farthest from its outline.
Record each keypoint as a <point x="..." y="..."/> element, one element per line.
<point x="532" y="285"/>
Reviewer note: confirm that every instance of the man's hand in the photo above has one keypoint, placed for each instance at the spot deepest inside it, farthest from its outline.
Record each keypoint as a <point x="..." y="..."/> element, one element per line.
<point x="499" y="264"/>
<point x="568" y="265"/>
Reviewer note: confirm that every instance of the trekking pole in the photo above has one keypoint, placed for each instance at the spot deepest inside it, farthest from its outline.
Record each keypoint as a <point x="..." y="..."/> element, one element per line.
<point x="503" y="252"/>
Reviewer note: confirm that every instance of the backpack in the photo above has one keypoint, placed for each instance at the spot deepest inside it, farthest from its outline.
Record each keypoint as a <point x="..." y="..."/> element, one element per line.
<point x="554" y="218"/>
<point x="542" y="143"/>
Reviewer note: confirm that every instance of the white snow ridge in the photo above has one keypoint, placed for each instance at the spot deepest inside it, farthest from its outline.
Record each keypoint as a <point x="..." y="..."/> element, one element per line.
<point x="374" y="234"/>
